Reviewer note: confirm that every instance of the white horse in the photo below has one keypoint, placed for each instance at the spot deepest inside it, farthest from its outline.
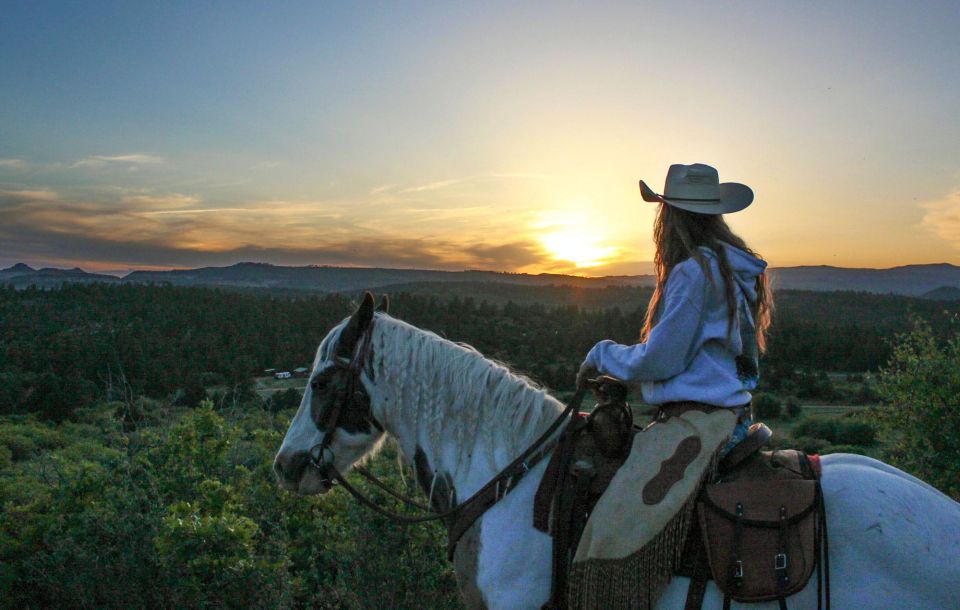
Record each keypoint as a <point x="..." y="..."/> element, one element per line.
<point x="460" y="418"/>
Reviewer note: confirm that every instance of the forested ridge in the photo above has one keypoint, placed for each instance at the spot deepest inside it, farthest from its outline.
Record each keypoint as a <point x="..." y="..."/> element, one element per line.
<point x="63" y="349"/>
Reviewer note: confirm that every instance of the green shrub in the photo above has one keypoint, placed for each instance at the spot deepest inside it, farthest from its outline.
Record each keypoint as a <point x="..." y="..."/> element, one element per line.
<point x="765" y="406"/>
<point x="855" y="433"/>
<point x="187" y="514"/>
<point x="919" y="390"/>
<point x="838" y="431"/>
<point x="809" y="445"/>
<point x="283" y="399"/>
<point x="792" y="408"/>
<point x="843" y="449"/>
<point x="29" y="439"/>
<point x="816" y="426"/>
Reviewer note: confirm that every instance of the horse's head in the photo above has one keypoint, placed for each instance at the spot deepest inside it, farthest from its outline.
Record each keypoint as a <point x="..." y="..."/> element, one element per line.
<point x="334" y="426"/>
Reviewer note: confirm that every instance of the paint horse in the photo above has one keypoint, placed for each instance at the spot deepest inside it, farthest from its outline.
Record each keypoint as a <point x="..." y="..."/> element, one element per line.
<point x="460" y="418"/>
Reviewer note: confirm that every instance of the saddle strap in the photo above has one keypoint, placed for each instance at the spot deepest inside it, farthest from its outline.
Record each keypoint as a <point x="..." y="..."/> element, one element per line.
<point x="698" y="582"/>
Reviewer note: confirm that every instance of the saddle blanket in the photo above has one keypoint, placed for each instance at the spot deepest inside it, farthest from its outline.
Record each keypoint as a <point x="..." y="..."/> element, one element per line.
<point x="635" y="534"/>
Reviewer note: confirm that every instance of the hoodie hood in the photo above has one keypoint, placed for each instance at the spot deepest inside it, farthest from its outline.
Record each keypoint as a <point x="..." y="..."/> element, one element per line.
<point x="746" y="269"/>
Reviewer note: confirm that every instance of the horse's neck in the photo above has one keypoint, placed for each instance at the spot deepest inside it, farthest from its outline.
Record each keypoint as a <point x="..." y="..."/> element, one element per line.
<point x="467" y="416"/>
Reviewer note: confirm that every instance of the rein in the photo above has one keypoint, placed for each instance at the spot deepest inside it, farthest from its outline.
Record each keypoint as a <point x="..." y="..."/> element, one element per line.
<point x="461" y="516"/>
<point x="501" y="484"/>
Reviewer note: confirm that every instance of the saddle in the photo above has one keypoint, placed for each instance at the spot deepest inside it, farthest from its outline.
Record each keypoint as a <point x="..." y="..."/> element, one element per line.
<point x="587" y="457"/>
<point x="759" y="522"/>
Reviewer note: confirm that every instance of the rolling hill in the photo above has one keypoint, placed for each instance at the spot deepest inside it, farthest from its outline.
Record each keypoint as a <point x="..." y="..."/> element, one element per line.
<point x="935" y="281"/>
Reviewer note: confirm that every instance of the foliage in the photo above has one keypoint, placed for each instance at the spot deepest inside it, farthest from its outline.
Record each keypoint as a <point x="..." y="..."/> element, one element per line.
<point x="186" y="514"/>
<point x="765" y="406"/>
<point x="843" y="449"/>
<point x="792" y="408"/>
<point x="837" y="430"/>
<point x="808" y="444"/>
<point x="920" y="389"/>
<point x="283" y="399"/>
<point x="64" y="349"/>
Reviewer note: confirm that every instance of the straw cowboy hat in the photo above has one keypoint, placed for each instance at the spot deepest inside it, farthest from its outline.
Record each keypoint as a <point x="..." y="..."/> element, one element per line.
<point x="697" y="188"/>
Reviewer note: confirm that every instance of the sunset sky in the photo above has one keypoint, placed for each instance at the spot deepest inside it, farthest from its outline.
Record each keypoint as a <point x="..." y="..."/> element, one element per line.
<point x="471" y="135"/>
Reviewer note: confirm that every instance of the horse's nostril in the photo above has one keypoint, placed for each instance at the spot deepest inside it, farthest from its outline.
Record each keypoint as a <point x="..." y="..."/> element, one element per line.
<point x="289" y="466"/>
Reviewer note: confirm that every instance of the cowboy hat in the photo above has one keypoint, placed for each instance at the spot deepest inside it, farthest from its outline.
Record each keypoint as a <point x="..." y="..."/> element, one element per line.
<point x="697" y="188"/>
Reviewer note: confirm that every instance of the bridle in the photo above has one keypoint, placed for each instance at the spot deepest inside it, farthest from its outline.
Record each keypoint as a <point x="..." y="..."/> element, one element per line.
<point x="461" y="516"/>
<point x="350" y="396"/>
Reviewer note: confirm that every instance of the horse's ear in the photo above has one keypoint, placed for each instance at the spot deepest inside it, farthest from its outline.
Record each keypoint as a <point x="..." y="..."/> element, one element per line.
<point x="364" y="313"/>
<point x="357" y="325"/>
<point x="384" y="305"/>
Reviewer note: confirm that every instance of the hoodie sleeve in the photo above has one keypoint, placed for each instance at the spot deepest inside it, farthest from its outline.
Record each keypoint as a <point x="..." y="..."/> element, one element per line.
<point x="671" y="344"/>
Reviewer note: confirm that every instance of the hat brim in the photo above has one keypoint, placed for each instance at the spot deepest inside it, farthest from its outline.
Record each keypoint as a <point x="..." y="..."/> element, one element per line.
<point x="733" y="198"/>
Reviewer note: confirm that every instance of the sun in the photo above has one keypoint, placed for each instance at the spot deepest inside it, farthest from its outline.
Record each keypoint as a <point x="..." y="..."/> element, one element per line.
<point x="582" y="249"/>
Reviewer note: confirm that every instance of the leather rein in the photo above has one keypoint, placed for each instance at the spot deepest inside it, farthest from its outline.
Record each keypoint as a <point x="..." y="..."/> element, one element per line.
<point x="464" y="514"/>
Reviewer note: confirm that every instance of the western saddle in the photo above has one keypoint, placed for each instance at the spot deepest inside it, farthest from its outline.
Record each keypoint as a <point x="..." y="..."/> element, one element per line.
<point x="760" y="526"/>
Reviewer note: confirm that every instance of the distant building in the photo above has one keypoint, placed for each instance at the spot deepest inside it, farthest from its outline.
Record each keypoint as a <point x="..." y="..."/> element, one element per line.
<point x="269" y="372"/>
<point x="300" y="371"/>
<point x="282" y="375"/>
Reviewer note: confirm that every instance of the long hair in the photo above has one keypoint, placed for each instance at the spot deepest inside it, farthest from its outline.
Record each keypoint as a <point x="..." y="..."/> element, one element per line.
<point x="678" y="235"/>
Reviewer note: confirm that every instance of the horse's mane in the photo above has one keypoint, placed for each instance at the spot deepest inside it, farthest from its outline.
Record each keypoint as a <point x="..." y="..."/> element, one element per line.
<point x="453" y="392"/>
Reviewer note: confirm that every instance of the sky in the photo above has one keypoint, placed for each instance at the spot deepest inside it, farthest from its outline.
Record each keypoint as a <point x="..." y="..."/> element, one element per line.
<point x="486" y="135"/>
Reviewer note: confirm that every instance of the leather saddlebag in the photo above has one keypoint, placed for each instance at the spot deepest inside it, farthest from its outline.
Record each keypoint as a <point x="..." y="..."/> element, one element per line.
<point x="760" y="536"/>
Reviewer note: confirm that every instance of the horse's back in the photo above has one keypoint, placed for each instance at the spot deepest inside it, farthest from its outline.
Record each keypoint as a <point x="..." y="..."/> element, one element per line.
<point x="894" y="543"/>
<point x="894" y="540"/>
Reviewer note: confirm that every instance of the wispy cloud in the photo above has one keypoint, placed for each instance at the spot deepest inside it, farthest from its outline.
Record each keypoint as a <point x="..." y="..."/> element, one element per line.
<point x="133" y="159"/>
<point x="942" y="217"/>
<point x="181" y="230"/>
<point x="443" y="184"/>
<point x="174" y="200"/>
<point x="434" y="186"/>
<point x="9" y="198"/>
<point x="13" y="164"/>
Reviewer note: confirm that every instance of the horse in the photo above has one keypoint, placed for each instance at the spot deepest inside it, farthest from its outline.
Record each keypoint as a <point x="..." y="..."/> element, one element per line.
<point x="459" y="418"/>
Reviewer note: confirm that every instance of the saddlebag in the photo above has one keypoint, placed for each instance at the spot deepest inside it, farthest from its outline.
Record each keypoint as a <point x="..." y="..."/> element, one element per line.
<point x="761" y="537"/>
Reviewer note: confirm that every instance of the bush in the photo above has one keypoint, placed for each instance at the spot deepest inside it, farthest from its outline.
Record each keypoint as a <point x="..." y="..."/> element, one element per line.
<point x="765" y="406"/>
<point x="919" y="390"/>
<point x="855" y="433"/>
<point x="792" y="408"/>
<point x="283" y="399"/>
<point x="810" y="445"/>
<point x="186" y="514"/>
<point x="816" y="426"/>
<point x="843" y="449"/>
<point x="837" y="431"/>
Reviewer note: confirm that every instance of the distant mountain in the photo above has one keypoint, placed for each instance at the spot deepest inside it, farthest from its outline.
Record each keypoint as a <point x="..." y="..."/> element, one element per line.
<point x="913" y="280"/>
<point x="910" y="280"/>
<point x="346" y="279"/>
<point x="21" y="276"/>
<point x="944" y="293"/>
<point x="18" y="269"/>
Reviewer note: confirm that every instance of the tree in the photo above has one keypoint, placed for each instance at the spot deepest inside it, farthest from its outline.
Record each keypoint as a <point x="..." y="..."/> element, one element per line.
<point x="921" y="413"/>
<point x="766" y="406"/>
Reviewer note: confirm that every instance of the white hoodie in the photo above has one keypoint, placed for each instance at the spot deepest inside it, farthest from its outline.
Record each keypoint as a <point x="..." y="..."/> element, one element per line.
<point x="689" y="354"/>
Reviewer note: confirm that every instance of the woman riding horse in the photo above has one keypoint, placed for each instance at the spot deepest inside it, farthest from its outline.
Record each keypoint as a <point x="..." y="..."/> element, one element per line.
<point x="697" y="361"/>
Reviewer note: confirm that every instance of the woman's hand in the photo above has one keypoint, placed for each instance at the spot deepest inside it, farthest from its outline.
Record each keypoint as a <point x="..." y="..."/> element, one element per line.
<point x="585" y="374"/>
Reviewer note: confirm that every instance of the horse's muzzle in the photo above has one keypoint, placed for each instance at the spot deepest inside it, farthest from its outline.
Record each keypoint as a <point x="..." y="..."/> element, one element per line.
<point x="299" y="471"/>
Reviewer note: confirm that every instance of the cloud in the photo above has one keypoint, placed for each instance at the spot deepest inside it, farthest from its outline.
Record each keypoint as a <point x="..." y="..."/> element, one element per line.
<point x="942" y="218"/>
<point x="12" y="164"/>
<point x="174" y="200"/>
<point x="133" y="159"/>
<point x="174" y="230"/>
<point x="12" y="198"/>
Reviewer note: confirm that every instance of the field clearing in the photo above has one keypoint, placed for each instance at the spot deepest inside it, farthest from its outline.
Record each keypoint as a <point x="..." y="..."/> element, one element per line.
<point x="267" y="386"/>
